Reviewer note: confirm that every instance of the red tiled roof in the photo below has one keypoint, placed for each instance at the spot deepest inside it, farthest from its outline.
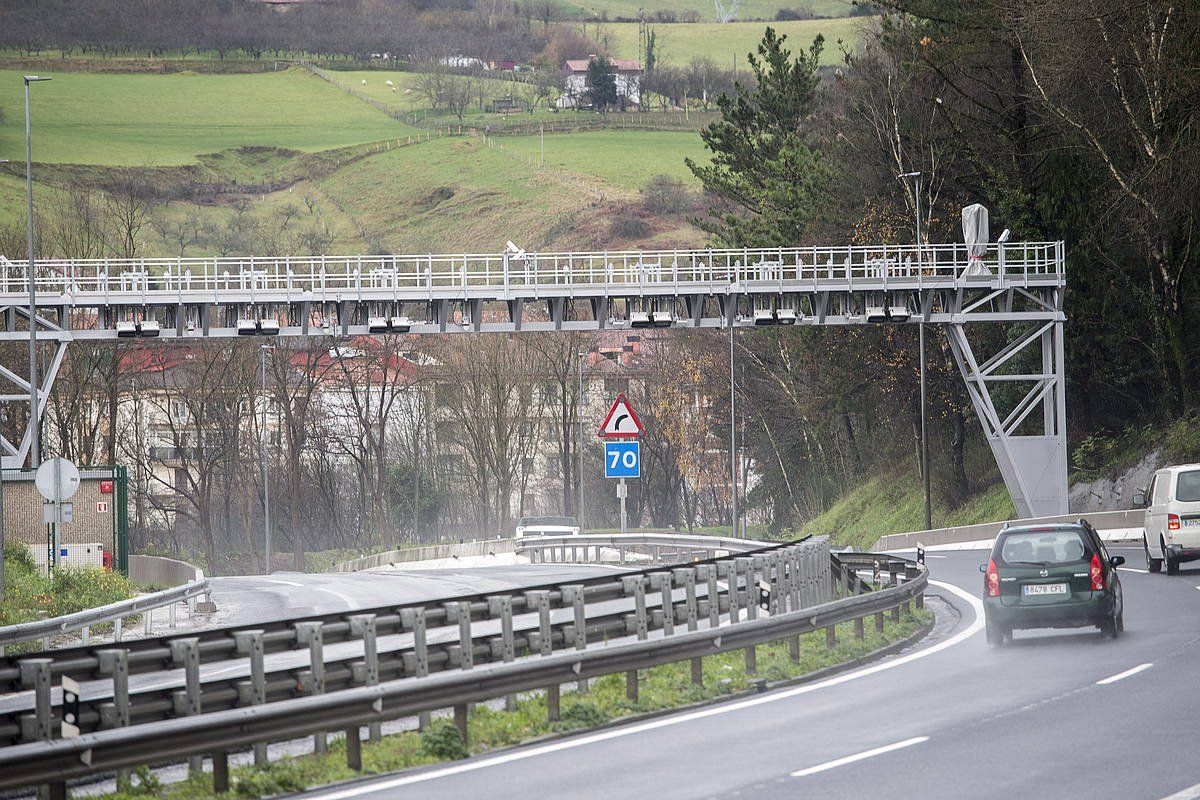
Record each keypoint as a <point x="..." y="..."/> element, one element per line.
<point x="621" y="65"/>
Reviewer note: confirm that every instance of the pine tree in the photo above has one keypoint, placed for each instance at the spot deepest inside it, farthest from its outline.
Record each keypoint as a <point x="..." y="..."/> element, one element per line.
<point x="768" y="179"/>
<point x="602" y="84"/>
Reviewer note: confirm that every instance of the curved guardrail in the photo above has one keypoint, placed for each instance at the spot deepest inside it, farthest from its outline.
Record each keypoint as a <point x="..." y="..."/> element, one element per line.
<point x="621" y="547"/>
<point x="771" y="594"/>
<point x="89" y="618"/>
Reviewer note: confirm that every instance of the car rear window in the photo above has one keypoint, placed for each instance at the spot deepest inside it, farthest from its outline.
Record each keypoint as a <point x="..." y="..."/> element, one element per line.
<point x="1187" y="487"/>
<point x="1043" y="547"/>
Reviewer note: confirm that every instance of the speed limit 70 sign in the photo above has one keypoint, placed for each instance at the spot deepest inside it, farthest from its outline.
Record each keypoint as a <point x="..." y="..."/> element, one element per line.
<point x="622" y="459"/>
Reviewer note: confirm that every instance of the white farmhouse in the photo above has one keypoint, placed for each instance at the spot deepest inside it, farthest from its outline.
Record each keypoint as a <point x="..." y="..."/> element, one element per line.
<point x="575" y="85"/>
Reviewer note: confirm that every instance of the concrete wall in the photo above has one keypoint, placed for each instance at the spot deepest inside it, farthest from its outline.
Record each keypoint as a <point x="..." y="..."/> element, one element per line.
<point x="429" y="552"/>
<point x="162" y="572"/>
<point x="1105" y="520"/>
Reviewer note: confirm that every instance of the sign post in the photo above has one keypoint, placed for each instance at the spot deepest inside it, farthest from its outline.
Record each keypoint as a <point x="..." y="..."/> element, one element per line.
<point x="622" y="451"/>
<point x="57" y="480"/>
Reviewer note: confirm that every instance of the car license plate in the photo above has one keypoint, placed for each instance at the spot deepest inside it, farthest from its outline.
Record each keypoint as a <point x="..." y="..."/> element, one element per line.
<point x="1189" y="523"/>
<point x="1034" y="589"/>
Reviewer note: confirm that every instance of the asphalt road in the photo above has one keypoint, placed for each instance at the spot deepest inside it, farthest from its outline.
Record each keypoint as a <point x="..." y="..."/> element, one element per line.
<point x="1057" y="714"/>
<point x="252" y="599"/>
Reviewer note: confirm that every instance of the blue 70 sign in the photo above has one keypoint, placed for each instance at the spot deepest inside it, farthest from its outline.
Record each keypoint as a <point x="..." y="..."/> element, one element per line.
<point x="622" y="459"/>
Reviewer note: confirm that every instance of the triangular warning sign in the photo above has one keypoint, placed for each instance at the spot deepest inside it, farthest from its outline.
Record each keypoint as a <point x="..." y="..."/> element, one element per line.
<point x="620" y="420"/>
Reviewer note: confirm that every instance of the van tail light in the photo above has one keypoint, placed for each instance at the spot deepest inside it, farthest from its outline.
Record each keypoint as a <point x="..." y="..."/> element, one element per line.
<point x="1097" y="573"/>
<point x="1172" y="522"/>
<point x="993" y="579"/>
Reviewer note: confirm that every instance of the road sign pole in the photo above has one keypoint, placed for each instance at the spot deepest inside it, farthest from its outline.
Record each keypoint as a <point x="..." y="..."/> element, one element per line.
<point x="621" y="492"/>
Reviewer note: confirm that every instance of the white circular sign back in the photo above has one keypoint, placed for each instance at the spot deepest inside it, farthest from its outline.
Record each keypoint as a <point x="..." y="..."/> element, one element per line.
<point x="57" y="480"/>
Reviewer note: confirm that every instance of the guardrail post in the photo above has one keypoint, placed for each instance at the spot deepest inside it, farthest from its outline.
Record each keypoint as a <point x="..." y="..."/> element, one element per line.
<point x="115" y="664"/>
<point x="637" y="585"/>
<point x="574" y="595"/>
<point x="540" y="599"/>
<point x="859" y="632"/>
<point x="831" y="636"/>
<point x="186" y="652"/>
<point x="414" y="620"/>
<point x="460" y="722"/>
<point x="793" y="569"/>
<point x="709" y="573"/>
<point x="310" y="633"/>
<point x="687" y="576"/>
<point x="363" y="626"/>
<point x="35" y="675"/>
<point x="501" y="605"/>
<point x="117" y="623"/>
<point x="744" y="566"/>
<point x="465" y="645"/>
<point x="148" y="622"/>
<point x="220" y="759"/>
<point x="354" y="748"/>
<point x="662" y="581"/>
<point x="728" y="571"/>
<point x="250" y="644"/>
<point x="879" y="622"/>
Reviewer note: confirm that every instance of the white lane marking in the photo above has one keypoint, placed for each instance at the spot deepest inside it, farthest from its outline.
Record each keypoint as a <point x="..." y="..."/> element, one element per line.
<point x="282" y="583"/>
<point x="664" y="722"/>
<point x="1133" y="569"/>
<point x="1127" y="673"/>
<point x="350" y="601"/>
<point x="1190" y="793"/>
<point x="841" y="762"/>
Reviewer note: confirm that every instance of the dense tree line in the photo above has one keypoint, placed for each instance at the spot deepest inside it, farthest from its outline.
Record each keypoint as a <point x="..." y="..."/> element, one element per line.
<point x="406" y="29"/>
<point x="1070" y="120"/>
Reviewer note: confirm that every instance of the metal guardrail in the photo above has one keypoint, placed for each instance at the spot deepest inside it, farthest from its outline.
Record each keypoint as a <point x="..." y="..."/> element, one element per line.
<point x="621" y="548"/>
<point x="113" y="612"/>
<point x="441" y="619"/>
<point x="797" y="599"/>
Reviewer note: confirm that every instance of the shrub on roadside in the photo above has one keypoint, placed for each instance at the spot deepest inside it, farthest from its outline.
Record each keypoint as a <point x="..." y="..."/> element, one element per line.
<point x="442" y="740"/>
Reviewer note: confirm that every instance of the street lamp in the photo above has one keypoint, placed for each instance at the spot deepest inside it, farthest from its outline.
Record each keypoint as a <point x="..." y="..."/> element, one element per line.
<point x="34" y="419"/>
<point x="916" y="176"/>
<point x="262" y="454"/>
<point x="733" y="471"/>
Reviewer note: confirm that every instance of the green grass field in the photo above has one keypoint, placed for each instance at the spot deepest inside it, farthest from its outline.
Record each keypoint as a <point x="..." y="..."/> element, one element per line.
<point x="90" y="118"/>
<point x="723" y="43"/>
<point x="895" y="504"/>
<point x="749" y="9"/>
<point x="627" y="159"/>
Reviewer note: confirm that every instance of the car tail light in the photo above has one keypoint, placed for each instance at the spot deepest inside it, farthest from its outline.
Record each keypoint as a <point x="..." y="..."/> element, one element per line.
<point x="1172" y="522"/>
<point x="993" y="579"/>
<point x="1097" y="573"/>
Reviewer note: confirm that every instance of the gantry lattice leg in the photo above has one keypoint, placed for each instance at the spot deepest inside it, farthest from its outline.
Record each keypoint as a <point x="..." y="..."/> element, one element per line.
<point x="1010" y="390"/>
<point x="14" y="401"/>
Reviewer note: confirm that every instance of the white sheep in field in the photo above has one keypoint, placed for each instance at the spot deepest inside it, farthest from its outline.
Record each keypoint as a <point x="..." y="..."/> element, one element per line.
<point x="364" y="83"/>
<point x="389" y="83"/>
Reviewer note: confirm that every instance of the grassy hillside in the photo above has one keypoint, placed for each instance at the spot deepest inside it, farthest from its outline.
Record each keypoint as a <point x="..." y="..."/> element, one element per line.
<point x="621" y="158"/>
<point x="749" y="9"/>
<point x="91" y="118"/>
<point x="458" y="194"/>
<point x="895" y="504"/>
<point x="723" y="44"/>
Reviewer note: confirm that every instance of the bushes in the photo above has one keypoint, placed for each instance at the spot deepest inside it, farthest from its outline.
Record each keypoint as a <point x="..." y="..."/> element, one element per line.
<point x="627" y="226"/>
<point x="442" y="740"/>
<point x="667" y="195"/>
<point x="29" y="594"/>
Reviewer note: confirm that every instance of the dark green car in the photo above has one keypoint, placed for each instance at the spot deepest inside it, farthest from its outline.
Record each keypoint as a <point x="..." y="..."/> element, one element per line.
<point x="1051" y="576"/>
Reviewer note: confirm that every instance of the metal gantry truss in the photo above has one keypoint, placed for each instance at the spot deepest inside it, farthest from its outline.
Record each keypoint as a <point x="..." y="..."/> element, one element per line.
<point x="997" y="309"/>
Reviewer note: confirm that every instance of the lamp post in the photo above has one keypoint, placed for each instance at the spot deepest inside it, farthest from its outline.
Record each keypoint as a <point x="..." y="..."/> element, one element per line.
<point x="34" y="418"/>
<point x="579" y="356"/>
<point x="262" y="454"/>
<point x="916" y="176"/>
<point x="733" y="470"/>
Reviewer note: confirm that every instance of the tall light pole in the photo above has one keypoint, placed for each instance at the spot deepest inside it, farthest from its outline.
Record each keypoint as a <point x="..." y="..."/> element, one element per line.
<point x="579" y="356"/>
<point x="733" y="470"/>
<point x="262" y="454"/>
<point x="35" y="450"/>
<point x="916" y="176"/>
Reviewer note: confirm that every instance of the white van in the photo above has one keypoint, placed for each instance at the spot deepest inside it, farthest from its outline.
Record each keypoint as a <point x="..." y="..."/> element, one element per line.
<point x="1172" y="504"/>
